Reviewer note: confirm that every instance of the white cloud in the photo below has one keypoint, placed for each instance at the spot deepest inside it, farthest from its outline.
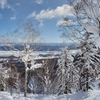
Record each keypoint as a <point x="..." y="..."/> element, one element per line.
<point x="0" y="16"/>
<point x="33" y="14"/>
<point x="39" y="1"/>
<point x="17" y="4"/>
<point x="13" y="18"/>
<point x="4" y="4"/>
<point x="60" y="11"/>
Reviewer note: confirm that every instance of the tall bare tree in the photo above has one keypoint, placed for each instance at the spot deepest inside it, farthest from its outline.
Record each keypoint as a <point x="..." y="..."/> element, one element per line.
<point x="86" y="18"/>
<point x="26" y="35"/>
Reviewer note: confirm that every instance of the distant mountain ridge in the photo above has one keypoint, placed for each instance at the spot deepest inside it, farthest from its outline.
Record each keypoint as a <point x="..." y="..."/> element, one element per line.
<point x="40" y="47"/>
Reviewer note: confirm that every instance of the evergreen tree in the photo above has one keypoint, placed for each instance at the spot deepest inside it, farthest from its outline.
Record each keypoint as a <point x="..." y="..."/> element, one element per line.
<point x="65" y="72"/>
<point x="87" y="63"/>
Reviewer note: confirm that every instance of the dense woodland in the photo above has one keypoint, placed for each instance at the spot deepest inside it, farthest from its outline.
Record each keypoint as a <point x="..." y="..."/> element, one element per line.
<point x="68" y="73"/>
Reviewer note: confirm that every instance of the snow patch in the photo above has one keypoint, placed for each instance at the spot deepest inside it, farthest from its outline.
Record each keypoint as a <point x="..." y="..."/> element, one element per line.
<point x="90" y="95"/>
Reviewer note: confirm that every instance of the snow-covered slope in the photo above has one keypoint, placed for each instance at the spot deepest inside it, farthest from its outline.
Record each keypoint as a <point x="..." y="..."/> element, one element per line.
<point x="5" y="96"/>
<point x="91" y="95"/>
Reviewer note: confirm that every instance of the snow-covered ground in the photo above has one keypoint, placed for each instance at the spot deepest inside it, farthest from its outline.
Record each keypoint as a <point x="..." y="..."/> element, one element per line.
<point x="91" y="95"/>
<point x="5" y="96"/>
<point x="35" y="55"/>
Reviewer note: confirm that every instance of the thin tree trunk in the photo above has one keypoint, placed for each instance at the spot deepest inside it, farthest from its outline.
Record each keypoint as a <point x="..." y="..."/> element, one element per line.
<point x="25" y="91"/>
<point x="80" y="83"/>
<point x="11" y="90"/>
<point x="87" y="84"/>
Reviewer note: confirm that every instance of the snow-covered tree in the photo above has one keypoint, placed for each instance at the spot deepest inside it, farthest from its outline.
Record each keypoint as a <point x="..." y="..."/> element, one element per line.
<point x="85" y="18"/>
<point x="2" y="80"/>
<point x="87" y="64"/>
<point x="66" y="73"/>
<point x="28" y="36"/>
<point x="12" y="77"/>
<point x="85" y="28"/>
<point x="34" y="77"/>
<point x="25" y="36"/>
<point x="45" y="76"/>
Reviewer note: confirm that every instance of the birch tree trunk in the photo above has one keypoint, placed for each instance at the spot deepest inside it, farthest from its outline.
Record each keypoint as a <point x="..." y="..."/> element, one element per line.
<point x="25" y="87"/>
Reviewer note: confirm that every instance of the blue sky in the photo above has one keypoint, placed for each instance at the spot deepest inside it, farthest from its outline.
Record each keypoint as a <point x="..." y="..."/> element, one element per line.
<point x="48" y="13"/>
